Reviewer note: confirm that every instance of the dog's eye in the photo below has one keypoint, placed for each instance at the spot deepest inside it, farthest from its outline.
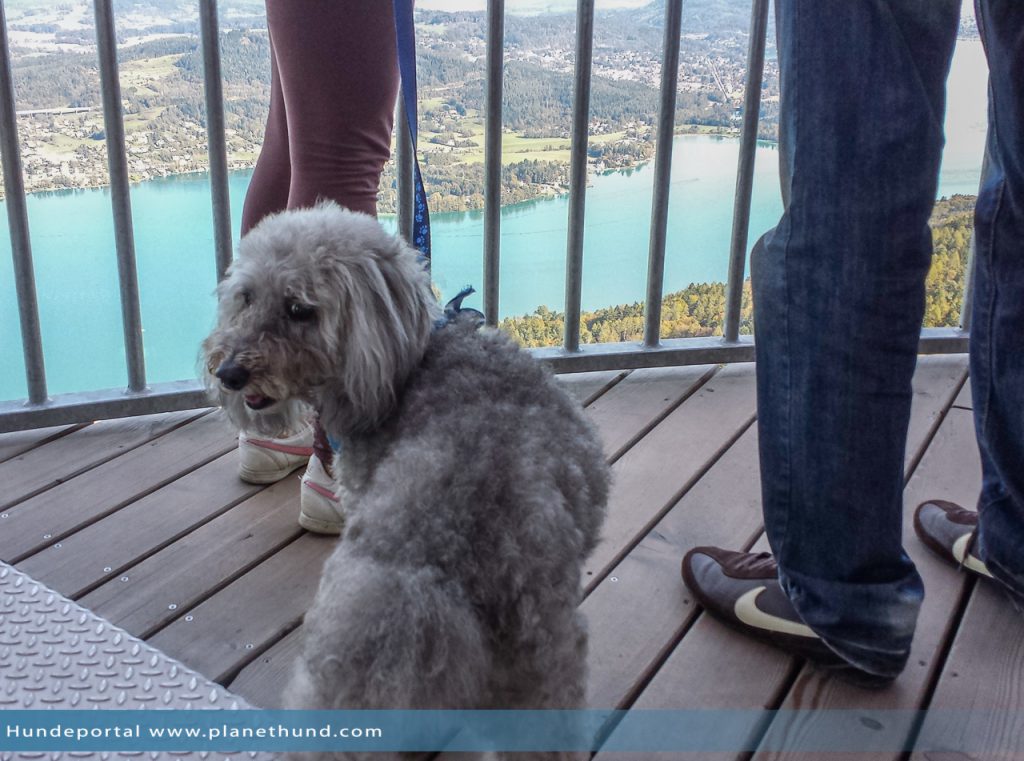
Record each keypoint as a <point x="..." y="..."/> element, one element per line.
<point x="247" y="298"/>
<point x="300" y="312"/>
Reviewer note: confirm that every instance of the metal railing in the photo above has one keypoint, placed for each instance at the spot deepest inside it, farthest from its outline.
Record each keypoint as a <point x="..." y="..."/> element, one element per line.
<point x="138" y="398"/>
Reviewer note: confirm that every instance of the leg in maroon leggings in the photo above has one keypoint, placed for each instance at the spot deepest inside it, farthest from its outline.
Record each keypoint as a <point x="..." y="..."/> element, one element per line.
<point x="339" y="76"/>
<point x="334" y="80"/>
<point x="268" y="188"/>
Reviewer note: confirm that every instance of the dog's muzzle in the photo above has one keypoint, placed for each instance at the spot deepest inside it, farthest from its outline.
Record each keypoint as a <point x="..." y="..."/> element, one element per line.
<point x="235" y="377"/>
<point x="232" y="375"/>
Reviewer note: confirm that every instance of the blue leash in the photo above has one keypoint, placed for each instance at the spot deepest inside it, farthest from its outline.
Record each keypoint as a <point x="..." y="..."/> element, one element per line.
<point x="406" y="34"/>
<point x="407" y="67"/>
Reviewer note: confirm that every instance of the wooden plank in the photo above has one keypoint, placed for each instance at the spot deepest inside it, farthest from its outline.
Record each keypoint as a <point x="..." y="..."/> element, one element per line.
<point x="656" y="471"/>
<point x="104" y="549"/>
<point x="949" y="470"/>
<point x="48" y="517"/>
<point x="712" y="667"/>
<point x="980" y="686"/>
<point x="748" y="682"/>
<point x="636" y="613"/>
<point x="716" y="667"/>
<point x="17" y="442"/>
<point x="262" y="681"/>
<point x="965" y="399"/>
<point x="188" y="571"/>
<point x="631" y="407"/>
<point x="64" y="457"/>
<point x="586" y="387"/>
<point x="227" y="631"/>
<point x="935" y="382"/>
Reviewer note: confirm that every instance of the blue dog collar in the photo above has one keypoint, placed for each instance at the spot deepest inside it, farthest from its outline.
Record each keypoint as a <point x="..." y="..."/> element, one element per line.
<point x="454" y="310"/>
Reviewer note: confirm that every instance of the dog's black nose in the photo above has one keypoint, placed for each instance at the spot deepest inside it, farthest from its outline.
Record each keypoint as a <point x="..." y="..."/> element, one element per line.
<point x="232" y="375"/>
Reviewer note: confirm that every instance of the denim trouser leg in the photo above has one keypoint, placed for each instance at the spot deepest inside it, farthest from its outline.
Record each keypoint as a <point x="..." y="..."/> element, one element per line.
<point x="997" y="325"/>
<point x="839" y="297"/>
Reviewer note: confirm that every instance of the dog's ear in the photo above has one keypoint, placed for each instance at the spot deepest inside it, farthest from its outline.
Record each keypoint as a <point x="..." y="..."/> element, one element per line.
<point x="384" y="318"/>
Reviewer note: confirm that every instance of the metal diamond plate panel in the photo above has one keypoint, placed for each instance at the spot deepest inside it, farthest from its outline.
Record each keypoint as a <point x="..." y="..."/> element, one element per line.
<point x="55" y="654"/>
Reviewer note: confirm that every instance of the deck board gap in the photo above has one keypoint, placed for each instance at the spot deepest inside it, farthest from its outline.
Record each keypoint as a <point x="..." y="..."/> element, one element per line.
<point x="223" y="584"/>
<point x="238" y="668"/>
<point x="933" y="431"/>
<point x="653" y="667"/>
<point x="60" y="536"/>
<point x="112" y="455"/>
<point x="142" y="557"/>
<point x="670" y="645"/>
<point x="272" y="642"/>
<point x="774" y="703"/>
<point x="656" y="518"/>
<point x="16" y="452"/>
<point x="595" y="395"/>
<point x="939" y="668"/>
<point x="656" y="421"/>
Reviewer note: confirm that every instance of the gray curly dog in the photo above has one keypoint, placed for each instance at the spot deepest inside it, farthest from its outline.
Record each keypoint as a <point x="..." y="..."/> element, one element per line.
<point x="473" y="486"/>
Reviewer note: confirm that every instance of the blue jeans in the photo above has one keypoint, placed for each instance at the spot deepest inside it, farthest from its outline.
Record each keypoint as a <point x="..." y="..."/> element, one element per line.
<point x="839" y="289"/>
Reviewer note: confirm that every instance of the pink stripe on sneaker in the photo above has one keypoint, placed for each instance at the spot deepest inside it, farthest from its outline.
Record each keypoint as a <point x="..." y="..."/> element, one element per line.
<point x="323" y="491"/>
<point x="286" y="448"/>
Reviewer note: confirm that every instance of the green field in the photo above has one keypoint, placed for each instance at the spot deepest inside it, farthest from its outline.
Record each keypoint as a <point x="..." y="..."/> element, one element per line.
<point x="515" y="147"/>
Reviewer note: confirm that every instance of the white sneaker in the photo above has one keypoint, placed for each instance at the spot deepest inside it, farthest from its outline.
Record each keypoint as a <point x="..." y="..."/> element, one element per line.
<point x="319" y="507"/>
<point x="264" y="461"/>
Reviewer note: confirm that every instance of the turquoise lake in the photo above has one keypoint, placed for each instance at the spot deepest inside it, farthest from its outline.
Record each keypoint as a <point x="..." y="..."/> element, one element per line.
<point x="76" y="270"/>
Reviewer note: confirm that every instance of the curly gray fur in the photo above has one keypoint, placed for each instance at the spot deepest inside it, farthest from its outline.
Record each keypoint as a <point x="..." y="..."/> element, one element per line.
<point x="473" y="486"/>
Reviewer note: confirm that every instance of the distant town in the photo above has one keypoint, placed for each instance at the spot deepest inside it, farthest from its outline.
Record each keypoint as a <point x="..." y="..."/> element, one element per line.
<point x="63" y="135"/>
<point x="63" y="138"/>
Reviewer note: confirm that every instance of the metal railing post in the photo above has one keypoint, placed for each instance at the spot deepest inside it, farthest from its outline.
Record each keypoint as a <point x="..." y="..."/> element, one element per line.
<point x="578" y="173"/>
<point x="967" y="303"/>
<point x="124" y="238"/>
<point x="17" y="220"/>
<point x="404" y="152"/>
<point x="745" y="170"/>
<point x="492" y="158"/>
<point x="662" y="172"/>
<point x="218" y="152"/>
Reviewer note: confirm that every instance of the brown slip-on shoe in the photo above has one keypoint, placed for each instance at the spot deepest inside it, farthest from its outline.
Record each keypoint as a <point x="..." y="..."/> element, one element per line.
<point x="949" y="531"/>
<point x="742" y="590"/>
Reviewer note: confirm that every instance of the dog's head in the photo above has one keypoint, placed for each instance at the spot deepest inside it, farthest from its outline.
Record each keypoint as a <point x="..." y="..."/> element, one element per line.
<point x="321" y="307"/>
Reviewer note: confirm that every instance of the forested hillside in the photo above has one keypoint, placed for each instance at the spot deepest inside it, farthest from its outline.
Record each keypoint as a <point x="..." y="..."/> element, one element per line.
<point x="952" y="226"/>
<point x="698" y="309"/>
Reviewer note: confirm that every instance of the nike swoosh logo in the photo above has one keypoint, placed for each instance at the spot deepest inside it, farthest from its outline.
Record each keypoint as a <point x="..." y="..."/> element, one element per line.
<point x="746" y="610"/>
<point x="968" y="561"/>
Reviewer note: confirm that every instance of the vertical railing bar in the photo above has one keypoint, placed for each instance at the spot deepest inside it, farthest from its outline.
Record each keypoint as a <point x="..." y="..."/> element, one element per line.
<point x="124" y="238"/>
<point x="403" y="169"/>
<point x="578" y="173"/>
<point x="662" y="171"/>
<point x="967" y="303"/>
<point x="17" y="220"/>
<point x="745" y="170"/>
<point x="215" y="135"/>
<point x="492" y="158"/>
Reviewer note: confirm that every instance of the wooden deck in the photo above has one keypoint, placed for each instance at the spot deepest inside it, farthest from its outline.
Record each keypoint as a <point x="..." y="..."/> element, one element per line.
<point x="146" y="522"/>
